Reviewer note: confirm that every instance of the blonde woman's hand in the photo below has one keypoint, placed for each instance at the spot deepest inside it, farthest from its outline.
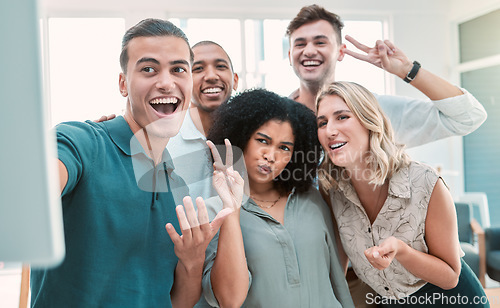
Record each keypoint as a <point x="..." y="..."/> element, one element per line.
<point x="381" y="256"/>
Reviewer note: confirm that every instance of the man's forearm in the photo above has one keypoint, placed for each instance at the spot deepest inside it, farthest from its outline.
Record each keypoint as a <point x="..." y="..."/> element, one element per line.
<point x="186" y="290"/>
<point x="433" y="86"/>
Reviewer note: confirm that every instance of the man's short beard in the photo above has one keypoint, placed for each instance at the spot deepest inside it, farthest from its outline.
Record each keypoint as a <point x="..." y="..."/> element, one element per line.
<point x="208" y="109"/>
<point x="204" y="108"/>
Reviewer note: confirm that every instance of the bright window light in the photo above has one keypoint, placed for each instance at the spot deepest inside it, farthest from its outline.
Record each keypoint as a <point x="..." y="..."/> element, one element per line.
<point x="271" y="69"/>
<point x="83" y="58"/>
<point x="350" y="69"/>
<point x="225" y="32"/>
<point x="84" y="68"/>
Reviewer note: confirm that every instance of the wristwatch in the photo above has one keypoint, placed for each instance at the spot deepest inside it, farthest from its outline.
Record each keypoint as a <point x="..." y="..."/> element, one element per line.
<point x="413" y="72"/>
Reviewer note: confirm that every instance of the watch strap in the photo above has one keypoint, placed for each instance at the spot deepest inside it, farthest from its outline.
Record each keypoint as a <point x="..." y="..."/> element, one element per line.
<point x="413" y="72"/>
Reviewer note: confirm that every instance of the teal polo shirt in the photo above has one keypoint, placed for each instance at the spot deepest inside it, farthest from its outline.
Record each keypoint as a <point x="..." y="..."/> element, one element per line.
<point x="115" y="207"/>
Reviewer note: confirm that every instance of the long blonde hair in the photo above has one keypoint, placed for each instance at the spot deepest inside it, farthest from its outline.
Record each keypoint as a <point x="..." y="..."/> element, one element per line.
<point x="385" y="156"/>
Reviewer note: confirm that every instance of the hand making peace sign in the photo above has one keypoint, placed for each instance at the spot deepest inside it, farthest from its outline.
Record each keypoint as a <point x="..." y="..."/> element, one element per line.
<point x="227" y="182"/>
<point x="384" y="55"/>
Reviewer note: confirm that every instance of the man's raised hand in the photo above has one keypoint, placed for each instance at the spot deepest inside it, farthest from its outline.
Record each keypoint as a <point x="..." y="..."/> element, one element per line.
<point x="384" y="55"/>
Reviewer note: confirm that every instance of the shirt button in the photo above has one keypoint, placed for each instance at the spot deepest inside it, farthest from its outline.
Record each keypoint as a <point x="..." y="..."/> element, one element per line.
<point x="386" y="288"/>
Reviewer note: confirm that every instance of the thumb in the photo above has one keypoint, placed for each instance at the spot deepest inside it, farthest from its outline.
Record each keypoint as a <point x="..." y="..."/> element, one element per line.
<point x="174" y="236"/>
<point x="382" y="52"/>
<point x="235" y="175"/>
<point x="219" y="219"/>
<point x="381" y="251"/>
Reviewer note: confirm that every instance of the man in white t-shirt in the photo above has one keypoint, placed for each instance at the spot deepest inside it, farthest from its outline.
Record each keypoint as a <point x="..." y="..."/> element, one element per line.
<point x="316" y="47"/>
<point x="214" y="80"/>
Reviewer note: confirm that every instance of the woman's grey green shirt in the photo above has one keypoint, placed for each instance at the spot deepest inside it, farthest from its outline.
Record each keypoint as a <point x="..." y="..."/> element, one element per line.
<point x="290" y="265"/>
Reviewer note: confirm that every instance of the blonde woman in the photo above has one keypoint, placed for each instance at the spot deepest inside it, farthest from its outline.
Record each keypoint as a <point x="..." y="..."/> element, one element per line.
<point x="396" y="218"/>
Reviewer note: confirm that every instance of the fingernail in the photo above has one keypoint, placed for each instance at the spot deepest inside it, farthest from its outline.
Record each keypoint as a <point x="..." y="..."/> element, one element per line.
<point x="376" y="254"/>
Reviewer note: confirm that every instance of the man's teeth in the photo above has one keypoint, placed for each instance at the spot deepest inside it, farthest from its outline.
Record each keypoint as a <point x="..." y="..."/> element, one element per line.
<point x="166" y="105"/>
<point x="169" y="100"/>
<point x="212" y="90"/>
<point x="311" y="63"/>
<point x="337" y="145"/>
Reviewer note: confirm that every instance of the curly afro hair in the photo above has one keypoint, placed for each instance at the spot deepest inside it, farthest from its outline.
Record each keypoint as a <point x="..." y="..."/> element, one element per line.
<point x="240" y="117"/>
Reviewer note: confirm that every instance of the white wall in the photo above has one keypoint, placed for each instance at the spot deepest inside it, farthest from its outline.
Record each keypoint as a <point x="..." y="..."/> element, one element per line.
<point x="465" y="9"/>
<point x="221" y="7"/>
<point x="236" y="8"/>
<point x="448" y="153"/>
<point x="426" y="37"/>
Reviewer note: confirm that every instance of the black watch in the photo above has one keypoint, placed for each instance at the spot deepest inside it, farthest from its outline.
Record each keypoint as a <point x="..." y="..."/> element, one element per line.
<point x="413" y="72"/>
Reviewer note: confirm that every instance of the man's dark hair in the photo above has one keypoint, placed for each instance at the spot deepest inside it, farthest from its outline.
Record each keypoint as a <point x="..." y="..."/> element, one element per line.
<point x="147" y="28"/>
<point x="204" y="43"/>
<point x="239" y="118"/>
<point x="312" y="13"/>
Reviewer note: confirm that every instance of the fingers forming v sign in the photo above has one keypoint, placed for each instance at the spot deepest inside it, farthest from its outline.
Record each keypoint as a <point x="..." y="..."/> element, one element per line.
<point x="196" y="230"/>
<point x="227" y="182"/>
<point x="384" y="55"/>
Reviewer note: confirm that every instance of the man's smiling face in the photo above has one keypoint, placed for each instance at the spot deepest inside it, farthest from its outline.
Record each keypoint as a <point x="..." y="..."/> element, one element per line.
<point x="213" y="77"/>
<point x="158" y="84"/>
<point x="314" y="52"/>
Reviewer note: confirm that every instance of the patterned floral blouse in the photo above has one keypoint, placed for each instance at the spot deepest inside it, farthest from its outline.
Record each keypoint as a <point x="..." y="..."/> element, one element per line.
<point x="402" y="216"/>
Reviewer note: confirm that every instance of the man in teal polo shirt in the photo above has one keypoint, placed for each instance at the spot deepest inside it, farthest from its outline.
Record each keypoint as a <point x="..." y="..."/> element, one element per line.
<point x="119" y="189"/>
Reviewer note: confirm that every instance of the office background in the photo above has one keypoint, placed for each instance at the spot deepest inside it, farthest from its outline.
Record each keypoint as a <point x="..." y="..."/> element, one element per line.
<point x="456" y="39"/>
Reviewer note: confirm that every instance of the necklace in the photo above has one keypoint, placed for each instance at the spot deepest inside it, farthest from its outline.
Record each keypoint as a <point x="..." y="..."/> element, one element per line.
<point x="266" y="207"/>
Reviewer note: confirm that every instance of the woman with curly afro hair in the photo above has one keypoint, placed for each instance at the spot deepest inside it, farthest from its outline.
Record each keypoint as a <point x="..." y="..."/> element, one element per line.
<point x="286" y="227"/>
